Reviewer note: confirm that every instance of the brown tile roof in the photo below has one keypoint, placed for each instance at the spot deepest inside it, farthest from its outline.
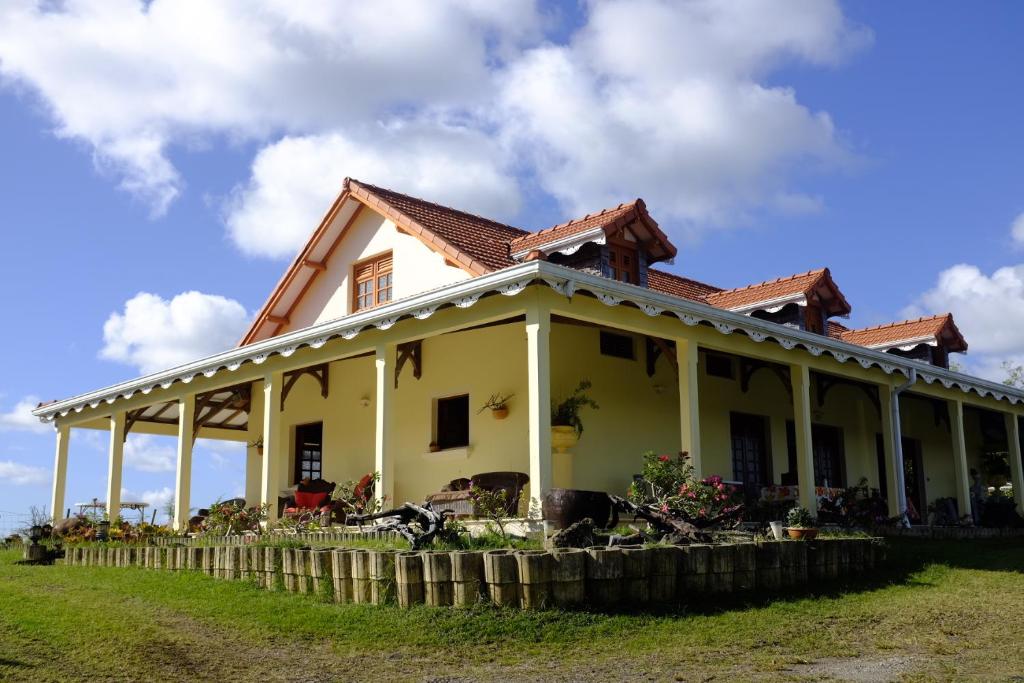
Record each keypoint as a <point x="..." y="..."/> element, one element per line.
<point x="478" y="238"/>
<point x="609" y="220"/>
<point x="574" y="227"/>
<point x="802" y="283"/>
<point x="677" y="285"/>
<point x="836" y="330"/>
<point x="940" y="327"/>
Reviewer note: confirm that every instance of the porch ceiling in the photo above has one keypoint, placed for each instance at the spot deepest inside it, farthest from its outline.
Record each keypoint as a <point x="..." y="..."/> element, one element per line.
<point x="224" y="409"/>
<point x="512" y="281"/>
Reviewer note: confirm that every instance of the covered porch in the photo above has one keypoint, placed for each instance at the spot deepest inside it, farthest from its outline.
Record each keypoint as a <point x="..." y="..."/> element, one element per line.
<point x="398" y="391"/>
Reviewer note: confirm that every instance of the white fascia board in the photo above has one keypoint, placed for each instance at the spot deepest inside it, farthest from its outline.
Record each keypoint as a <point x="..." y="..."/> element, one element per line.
<point x="771" y="305"/>
<point x="566" y="245"/>
<point x="905" y="344"/>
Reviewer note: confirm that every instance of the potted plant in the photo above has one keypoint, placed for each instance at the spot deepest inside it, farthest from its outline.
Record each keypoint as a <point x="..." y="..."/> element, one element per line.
<point x="800" y="524"/>
<point x="566" y="425"/>
<point x="498" y="405"/>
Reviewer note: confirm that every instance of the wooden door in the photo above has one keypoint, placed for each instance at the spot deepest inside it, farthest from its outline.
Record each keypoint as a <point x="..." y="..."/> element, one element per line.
<point x="913" y="479"/>
<point x="829" y="456"/>
<point x="750" y="461"/>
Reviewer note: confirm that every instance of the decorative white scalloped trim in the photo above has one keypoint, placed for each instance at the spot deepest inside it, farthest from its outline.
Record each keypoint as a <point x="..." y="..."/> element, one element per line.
<point x="511" y="282"/>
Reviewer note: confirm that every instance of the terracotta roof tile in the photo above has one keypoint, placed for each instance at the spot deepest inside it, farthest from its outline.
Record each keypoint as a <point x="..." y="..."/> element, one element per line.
<point x="478" y="238"/>
<point x="608" y="220"/>
<point x="802" y="283"/>
<point x="905" y="330"/>
<point x="574" y="227"/>
<point x="676" y="285"/>
<point x="836" y="330"/>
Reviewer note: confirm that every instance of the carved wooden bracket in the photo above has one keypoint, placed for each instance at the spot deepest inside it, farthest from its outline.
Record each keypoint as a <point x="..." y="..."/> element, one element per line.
<point x="321" y="373"/>
<point x="750" y="366"/>
<point x="410" y="351"/>
<point x="239" y="401"/>
<point x="825" y="383"/>
<point x="130" y="418"/>
<point x="657" y="347"/>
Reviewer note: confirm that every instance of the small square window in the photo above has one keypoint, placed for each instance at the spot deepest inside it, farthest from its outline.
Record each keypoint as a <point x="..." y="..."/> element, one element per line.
<point x="617" y="345"/>
<point x="451" y="429"/>
<point x="717" y="365"/>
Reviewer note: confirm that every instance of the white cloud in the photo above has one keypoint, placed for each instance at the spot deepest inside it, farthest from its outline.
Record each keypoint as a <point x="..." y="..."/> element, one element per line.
<point x="294" y="180"/>
<point x="988" y="309"/>
<point x="20" y="418"/>
<point x="154" y="334"/>
<point x="130" y="78"/>
<point x="146" y="453"/>
<point x="1017" y="229"/>
<point x="22" y="475"/>
<point x="661" y="99"/>
<point x="157" y="500"/>
<point x="460" y="101"/>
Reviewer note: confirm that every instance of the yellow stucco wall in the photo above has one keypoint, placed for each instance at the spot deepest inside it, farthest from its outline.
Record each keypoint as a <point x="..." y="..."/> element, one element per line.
<point x="417" y="268"/>
<point x="918" y="422"/>
<point x="348" y="426"/>
<point x="637" y="413"/>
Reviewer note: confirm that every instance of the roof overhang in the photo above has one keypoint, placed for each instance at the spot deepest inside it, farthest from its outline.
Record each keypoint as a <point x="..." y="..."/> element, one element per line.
<point x="511" y="282"/>
<point x="772" y="305"/>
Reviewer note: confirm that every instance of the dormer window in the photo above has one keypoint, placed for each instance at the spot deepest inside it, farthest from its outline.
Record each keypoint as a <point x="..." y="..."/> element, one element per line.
<point x="372" y="282"/>
<point x="623" y="262"/>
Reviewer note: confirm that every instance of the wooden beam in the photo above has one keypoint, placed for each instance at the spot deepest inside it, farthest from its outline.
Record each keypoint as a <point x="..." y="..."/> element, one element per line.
<point x="315" y="265"/>
<point x="321" y="373"/>
<point x="410" y="351"/>
<point x="278" y="319"/>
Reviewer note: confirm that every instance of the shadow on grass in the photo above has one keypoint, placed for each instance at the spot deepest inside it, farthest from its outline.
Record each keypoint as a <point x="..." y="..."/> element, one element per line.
<point x="907" y="560"/>
<point x="14" y="664"/>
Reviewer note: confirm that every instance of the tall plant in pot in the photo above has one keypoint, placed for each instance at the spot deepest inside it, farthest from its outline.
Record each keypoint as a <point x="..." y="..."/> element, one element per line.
<point x="566" y="425"/>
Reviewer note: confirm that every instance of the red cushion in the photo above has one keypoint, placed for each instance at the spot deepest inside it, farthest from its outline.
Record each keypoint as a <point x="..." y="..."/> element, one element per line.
<point x="310" y="500"/>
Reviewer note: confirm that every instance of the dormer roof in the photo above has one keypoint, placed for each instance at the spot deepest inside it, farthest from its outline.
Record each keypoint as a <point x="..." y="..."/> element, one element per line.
<point x="936" y="330"/>
<point x="568" y="237"/>
<point x="814" y="286"/>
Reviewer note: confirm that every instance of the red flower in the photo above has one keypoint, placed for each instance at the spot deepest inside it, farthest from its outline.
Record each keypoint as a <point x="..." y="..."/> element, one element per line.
<point x="663" y="458"/>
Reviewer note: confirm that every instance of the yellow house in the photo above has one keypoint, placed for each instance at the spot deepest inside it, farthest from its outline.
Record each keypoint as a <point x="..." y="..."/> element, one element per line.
<point x="399" y="318"/>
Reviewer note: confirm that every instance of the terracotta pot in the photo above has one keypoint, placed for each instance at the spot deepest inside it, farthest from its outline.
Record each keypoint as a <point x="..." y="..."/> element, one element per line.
<point x="805" y="534"/>
<point x="500" y="413"/>
<point x="563" y="438"/>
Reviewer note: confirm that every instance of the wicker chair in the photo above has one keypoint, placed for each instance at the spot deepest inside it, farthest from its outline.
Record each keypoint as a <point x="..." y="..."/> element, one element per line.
<point x="456" y="495"/>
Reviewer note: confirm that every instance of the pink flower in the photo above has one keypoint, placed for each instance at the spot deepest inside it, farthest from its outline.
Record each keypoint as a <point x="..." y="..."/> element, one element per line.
<point x="664" y="507"/>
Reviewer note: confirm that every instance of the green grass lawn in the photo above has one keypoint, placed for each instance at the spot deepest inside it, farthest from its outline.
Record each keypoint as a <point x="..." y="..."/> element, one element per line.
<point x="939" y="611"/>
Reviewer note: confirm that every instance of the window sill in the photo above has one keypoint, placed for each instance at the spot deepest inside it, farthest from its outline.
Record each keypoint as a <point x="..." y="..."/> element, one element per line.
<point x="449" y="454"/>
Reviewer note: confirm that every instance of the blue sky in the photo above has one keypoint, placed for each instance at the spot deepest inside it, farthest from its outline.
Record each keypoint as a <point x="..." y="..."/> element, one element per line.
<point x="880" y="139"/>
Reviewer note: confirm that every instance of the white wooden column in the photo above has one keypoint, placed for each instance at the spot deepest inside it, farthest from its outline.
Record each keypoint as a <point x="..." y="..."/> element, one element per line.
<point x="893" y="463"/>
<point x="1016" y="466"/>
<point x="384" y="462"/>
<point x="114" y="463"/>
<point x="253" y="455"/>
<point x="60" y="472"/>
<point x="800" y="378"/>
<point x="183" y="473"/>
<point x="538" y="364"/>
<point x="275" y="446"/>
<point x="689" y="406"/>
<point x="962" y="475"/>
